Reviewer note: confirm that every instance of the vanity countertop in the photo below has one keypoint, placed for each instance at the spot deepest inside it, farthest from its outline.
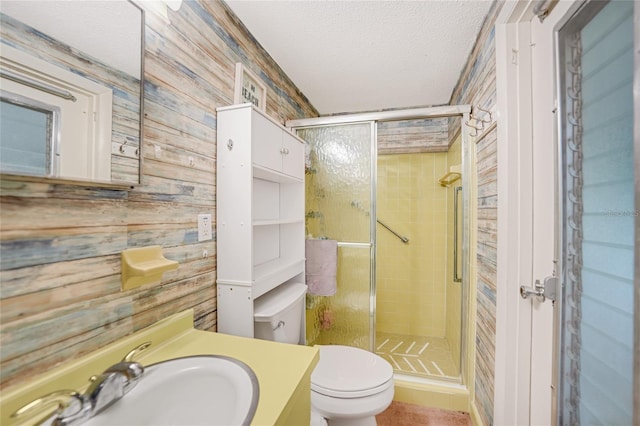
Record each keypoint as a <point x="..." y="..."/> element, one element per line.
<point x="280" y="368"/>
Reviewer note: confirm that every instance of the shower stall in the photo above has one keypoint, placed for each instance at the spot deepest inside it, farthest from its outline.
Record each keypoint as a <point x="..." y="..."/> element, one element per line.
<point x="392" y="189"/>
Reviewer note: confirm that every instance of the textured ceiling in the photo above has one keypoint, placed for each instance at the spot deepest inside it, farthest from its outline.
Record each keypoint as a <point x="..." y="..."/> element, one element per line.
<point x="353" y="56"/>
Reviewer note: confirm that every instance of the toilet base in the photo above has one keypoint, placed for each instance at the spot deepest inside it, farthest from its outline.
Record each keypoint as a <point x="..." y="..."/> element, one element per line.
<point x="359" y="411"/>
<point x="363" y="421"/>
<point x="317" y="419"/>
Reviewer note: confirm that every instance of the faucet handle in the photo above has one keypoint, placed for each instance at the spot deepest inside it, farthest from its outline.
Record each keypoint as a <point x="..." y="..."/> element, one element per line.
<point x="104" y="390"/>
<point x="131" y="370"/>
<point x="111" y="385"/>
<point x="135" y="351"/>
<point x="69" y="403"/>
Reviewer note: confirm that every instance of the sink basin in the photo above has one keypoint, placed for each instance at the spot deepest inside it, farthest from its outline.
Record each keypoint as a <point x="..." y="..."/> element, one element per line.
<point x="195" y="390"/>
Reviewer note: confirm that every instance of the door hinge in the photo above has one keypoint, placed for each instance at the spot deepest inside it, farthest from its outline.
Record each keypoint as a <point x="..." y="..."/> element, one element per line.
<point x="542" y="291"/>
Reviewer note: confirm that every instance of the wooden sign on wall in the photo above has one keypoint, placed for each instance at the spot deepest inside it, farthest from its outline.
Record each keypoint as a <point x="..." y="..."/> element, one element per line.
<point x="249" y="88"/>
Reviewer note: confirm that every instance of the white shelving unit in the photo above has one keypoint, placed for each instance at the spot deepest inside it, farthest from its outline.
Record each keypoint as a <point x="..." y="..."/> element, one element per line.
<point x="260" y="213"/>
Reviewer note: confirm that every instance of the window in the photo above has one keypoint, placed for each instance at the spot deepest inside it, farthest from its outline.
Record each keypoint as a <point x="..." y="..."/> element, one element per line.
<point x="596" y="60"/>
<point x="29" y="136"/>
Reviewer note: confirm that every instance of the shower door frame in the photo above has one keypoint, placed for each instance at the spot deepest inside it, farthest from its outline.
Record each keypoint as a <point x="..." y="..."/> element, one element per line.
<point x="462" y="111"/>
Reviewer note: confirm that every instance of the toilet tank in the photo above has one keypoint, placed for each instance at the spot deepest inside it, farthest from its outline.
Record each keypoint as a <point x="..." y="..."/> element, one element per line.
<point x="278" y="314"/>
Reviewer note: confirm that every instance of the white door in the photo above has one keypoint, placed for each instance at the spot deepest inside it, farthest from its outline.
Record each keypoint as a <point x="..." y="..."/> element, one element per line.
<point x="526" y="216"/>
<point x="571" y="210"/>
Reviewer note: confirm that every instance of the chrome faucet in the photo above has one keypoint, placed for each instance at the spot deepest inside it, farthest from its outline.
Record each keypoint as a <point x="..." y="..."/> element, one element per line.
<point x="110" y="386"/>
<point x="131" y="370"/>
<point x="104" y="390"/>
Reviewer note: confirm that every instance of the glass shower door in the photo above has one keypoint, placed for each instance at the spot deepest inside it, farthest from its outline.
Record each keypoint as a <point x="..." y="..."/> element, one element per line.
<point x="339" y="206"/>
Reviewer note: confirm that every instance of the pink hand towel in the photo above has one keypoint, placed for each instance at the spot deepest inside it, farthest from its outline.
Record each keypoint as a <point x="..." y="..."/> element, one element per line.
<point x="321" y="266"/>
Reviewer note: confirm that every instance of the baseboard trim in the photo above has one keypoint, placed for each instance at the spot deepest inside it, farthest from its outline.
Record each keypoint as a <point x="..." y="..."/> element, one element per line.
<point x="475" y="415"/>
<point x="448" y="397"/>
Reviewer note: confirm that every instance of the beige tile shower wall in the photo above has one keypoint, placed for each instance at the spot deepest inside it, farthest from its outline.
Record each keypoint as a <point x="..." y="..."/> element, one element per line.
<point x="453" y="324"/>
<point x="60" y="245"/>
<point x="411" y="278"/>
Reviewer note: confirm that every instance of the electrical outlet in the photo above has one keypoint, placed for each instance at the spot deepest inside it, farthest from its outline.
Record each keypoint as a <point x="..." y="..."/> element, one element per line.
<point x="204" y="227"/>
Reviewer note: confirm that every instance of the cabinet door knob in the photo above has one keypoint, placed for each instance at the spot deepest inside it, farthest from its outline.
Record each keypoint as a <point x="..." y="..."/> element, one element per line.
<point x="230" y="144"/>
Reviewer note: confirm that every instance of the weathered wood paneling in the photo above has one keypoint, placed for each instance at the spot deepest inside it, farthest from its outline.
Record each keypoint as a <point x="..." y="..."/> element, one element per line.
<point x="60" y="244"/>
<point x="413" y="136"/>
<point x="477" y="86"/>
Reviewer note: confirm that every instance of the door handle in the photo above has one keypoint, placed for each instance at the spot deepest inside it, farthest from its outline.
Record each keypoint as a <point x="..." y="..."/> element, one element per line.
<point x="542" y="291"/>
<point x="537" y="291"/>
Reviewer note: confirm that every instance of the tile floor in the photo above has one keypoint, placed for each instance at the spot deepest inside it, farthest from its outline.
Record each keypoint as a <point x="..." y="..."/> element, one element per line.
<point x="418" y="355"/>
<point x="403" y="414"/>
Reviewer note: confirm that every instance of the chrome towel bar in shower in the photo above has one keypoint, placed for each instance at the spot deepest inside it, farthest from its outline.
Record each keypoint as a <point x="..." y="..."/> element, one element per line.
<point x="403" y="239"/>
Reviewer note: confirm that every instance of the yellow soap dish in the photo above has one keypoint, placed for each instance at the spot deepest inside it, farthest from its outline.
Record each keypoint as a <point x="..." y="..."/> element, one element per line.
<point x="144" y="265"/>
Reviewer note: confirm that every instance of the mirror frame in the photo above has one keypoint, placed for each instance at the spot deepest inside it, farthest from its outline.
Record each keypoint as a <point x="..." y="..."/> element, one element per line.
<point x="101" y="183"/>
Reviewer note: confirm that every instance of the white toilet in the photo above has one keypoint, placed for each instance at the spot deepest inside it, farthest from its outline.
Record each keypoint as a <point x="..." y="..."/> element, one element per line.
<point x="349" y="386"/>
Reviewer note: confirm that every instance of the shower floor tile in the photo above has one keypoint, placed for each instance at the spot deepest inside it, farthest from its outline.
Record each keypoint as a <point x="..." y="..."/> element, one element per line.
<point x="418" y="355"/>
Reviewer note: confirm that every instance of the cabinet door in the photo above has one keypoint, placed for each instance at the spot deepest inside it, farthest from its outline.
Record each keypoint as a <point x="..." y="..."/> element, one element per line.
<point x="266" y="143"/>
<point x="293" y="158"/>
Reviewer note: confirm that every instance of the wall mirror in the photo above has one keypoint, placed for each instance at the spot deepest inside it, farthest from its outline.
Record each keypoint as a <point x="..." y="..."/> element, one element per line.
<point x="71" y="83"/>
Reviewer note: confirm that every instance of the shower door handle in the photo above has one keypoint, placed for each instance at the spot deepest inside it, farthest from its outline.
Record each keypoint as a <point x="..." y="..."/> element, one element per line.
<point x="456" y="192"/>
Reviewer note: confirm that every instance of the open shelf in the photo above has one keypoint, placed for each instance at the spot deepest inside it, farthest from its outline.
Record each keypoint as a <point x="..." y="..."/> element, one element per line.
<point x="269" y="275"/>
<point x="268" y="222"/>
<point x="276" y="202"/>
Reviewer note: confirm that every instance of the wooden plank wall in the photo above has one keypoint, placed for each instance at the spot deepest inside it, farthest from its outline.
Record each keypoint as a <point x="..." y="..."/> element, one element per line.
<point x="477" y="86"/>
<point x="125" y="88"/>
<point x="60" y="244"/>
<point x="413" y="136"/>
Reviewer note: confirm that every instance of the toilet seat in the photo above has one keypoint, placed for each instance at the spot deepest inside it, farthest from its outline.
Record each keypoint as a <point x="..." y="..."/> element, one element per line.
<point x="348" y="372"/>
<point x="351" y="394"/>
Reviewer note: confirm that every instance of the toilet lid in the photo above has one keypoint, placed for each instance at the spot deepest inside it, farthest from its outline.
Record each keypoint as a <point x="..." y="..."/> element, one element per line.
<point x="347" y="371"/>
<point x="271" y="304"/>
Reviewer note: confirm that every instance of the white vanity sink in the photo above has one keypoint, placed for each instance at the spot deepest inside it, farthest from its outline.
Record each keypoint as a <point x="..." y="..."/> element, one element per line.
<point x="196" y="390"/>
